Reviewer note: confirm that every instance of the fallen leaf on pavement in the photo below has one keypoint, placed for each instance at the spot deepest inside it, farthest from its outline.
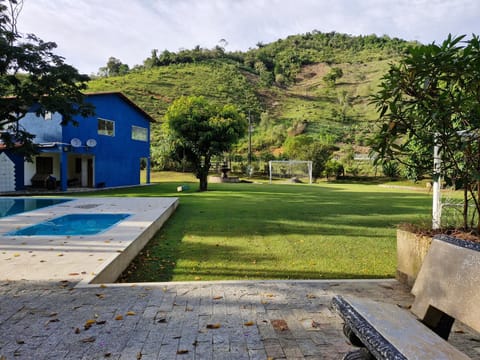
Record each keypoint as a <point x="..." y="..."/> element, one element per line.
<point x="89" y="339"/>
<point x="214" y="326"/>
<point x="279" y="325"/>
<point x="88" y="324"/>
<point x="315" y="324"/>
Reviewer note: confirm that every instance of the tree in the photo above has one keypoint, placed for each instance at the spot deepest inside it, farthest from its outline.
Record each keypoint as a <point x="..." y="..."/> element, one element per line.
<point x="304" y="147"/>
<point x="152" y="61"/>
<point x="203" y="130"/>
<point x="114" y="67"/>
<point x="432" y="96"/>
<point x="333" y="75"/>
<point x="334" y="168"/>
<point x="32" y="77"/>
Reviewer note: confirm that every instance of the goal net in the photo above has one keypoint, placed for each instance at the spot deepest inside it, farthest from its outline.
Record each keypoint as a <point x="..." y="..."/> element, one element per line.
<point x="293" y="170"/>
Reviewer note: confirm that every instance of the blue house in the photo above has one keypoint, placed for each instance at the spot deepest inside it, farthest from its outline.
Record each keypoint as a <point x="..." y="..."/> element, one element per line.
<point x="109" y="149"/>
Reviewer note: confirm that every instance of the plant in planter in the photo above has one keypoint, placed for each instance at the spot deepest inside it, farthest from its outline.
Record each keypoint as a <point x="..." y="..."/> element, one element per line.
<point x="432" y="98"/>
<point x="430" y="101"/>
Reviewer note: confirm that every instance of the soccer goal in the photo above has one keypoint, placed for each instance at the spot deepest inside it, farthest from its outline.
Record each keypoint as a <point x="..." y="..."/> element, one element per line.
<point x="297" y="170"/>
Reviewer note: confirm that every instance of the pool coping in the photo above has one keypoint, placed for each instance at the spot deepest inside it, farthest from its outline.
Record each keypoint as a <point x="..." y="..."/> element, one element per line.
<point x="85" y="259"/>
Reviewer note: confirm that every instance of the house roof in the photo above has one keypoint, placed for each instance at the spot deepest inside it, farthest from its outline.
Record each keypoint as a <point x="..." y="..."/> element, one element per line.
<point x="125" y="98"/>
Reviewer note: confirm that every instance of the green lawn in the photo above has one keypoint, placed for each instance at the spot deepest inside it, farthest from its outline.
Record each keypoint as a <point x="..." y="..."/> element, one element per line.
<point x="262" y="231"/>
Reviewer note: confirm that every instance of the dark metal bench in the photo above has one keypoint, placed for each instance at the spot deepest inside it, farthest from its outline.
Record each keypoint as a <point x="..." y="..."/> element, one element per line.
<point x="447" y="288"/>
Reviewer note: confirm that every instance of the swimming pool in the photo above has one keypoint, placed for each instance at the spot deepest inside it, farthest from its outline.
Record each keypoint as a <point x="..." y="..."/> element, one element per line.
<point x="72" y="224"/>
<point x="12" y="206"/>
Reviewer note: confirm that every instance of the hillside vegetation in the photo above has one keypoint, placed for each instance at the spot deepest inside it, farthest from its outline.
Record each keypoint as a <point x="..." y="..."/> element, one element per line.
<point x="317" y="84"/>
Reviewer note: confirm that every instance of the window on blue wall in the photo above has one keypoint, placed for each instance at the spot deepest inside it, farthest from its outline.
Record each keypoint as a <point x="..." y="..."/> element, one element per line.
<point x="139" y="133"/>
<point x="106" y="127"/>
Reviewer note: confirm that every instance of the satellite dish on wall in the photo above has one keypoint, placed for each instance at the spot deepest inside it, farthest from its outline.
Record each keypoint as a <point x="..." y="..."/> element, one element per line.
<point x="91" y="142"/>
<point x="75" y="142"/>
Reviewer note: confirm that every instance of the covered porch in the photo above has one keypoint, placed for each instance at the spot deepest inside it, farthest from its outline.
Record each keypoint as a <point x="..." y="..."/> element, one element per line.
<point x="57" y="166"/>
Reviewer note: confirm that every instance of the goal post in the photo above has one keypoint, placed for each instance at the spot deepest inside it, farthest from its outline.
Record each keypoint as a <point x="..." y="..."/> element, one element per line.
<point x="290" y="169"/>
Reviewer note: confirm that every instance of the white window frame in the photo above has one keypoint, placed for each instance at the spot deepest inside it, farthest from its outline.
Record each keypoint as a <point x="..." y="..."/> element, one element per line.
<point x="139" y="133"/>
<point x="106" y="131"/>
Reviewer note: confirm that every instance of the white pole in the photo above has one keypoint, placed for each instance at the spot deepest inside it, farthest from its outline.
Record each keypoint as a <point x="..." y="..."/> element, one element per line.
<point x="310" y="166"/>
<point x="270" y="170"/>
<point x="437" y="178"/>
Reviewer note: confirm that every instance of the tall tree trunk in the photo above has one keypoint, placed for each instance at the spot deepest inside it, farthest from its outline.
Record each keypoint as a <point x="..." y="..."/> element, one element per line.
<point x="202" y="174"/>
<point x="203" y="181"/>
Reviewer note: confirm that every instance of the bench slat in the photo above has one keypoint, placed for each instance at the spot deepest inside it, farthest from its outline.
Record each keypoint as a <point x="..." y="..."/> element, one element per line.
<point x="390" y="332"/>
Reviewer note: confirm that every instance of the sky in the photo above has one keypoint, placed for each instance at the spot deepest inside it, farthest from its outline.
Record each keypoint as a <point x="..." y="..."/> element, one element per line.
<point x="88" y="32"/>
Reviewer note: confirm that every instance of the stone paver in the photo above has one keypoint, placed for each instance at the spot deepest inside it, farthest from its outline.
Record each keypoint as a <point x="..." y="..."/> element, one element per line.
<point x="197" y="320"/>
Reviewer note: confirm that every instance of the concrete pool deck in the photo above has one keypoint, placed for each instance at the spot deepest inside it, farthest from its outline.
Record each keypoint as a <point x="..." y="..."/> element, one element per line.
<point x="84" y="259"/>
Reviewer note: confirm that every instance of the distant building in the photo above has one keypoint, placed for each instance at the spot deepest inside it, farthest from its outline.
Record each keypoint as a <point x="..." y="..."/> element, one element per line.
<point x="106" y="150"/>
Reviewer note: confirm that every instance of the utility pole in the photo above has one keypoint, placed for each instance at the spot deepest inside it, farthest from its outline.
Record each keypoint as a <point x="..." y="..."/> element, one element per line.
<point x="249" y="139"/>
<point x="249" y="171"/>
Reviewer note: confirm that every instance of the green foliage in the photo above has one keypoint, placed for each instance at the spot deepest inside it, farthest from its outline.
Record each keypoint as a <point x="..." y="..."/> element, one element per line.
<point x="155" y="89"/>
<point x="282" y="60"/>
<point x="305" y="147"/>
<point x="333" y="75"/>
<point x="418" y="161"/>
<point x="391" y="169"/>
<point x="432" y="96"/>
<point x="33" y="77"/>
<point x="202" y="130"/>
<point x="292" y="97"/>
<point x="333" y="168"/>
<point x="114" y="67"/>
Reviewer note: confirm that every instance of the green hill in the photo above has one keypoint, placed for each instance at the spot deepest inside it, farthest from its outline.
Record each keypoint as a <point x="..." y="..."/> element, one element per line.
<point x="283" y="85"/>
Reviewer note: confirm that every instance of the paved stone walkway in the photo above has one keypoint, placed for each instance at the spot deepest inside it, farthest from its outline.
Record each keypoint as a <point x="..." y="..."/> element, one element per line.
<point x="196" y="320"/>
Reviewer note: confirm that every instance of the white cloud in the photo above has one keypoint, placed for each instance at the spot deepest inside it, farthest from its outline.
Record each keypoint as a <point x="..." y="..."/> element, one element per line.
<point x="89" y="31"/>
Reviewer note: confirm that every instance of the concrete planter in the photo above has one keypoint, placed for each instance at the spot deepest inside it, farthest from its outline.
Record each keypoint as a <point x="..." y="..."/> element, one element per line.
<point x="411" y="250"/>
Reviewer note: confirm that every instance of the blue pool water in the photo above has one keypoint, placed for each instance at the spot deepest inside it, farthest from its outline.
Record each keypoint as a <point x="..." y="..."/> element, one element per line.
<point x="12" y="206"/>
<point x="72" y="224"/>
